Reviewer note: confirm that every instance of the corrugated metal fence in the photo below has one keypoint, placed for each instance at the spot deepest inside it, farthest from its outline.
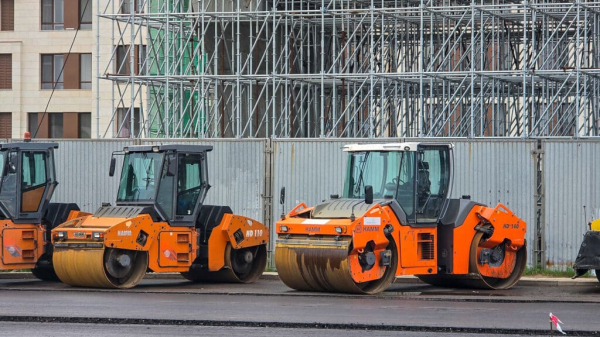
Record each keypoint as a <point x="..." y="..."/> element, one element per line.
<point x="572" y="196"/>
<point x="245" y="174"/>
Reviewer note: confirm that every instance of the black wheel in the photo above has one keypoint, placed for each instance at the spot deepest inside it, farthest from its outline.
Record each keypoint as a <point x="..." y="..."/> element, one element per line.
<point x="377" y="286"/>
<point x="44" y="270"/>
<point x="125" y="268"/>
<point x="45" y="274"/>
<point x="244" y="265"/>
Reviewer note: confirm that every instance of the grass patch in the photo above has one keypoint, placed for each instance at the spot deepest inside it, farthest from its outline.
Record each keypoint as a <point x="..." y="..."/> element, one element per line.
<point x="538" y="271"/>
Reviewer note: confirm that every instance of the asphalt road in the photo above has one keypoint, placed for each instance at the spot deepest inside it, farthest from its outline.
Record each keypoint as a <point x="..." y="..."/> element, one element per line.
<point x="12" y="329"/>
<point x="266" y="307"/>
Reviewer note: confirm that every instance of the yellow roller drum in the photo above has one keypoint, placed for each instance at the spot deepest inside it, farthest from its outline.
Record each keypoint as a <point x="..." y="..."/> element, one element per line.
<point x="322" y="264"/>
<point x="80" y="267"/>
<point x="100" y="268"/>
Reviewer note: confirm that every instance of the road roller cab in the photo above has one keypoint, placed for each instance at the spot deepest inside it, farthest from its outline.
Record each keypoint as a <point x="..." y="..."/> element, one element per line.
<point x="395" y="218"/>
<point x="160" y="224"/>
<point x="27" y="183"/>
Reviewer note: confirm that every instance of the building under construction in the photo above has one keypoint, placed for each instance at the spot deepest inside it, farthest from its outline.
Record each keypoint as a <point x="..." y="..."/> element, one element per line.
<point x="353" y="68"/>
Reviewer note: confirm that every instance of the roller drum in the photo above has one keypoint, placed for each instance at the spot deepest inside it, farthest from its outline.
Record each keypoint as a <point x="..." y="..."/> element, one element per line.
<point x="96" y="268"/>
<point x="475" y="279"/>
<point x="322" y="264"/>
<point x="243" y="265"/>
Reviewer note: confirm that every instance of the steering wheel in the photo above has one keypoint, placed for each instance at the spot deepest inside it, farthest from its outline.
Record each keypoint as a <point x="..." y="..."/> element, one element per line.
<point x="189" y="190"/>
<point x="396" y="180"/>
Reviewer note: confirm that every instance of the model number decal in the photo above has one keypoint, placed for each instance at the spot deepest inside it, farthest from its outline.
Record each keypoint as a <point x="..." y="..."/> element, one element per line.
<point x="372" y="221"/>
<point x="124" y="233"/>
<point x="79" y="234"/>
<point x="513" y="226"/>
<point x="315" y="221"/>
<point x="254" y="233"/>
<point x="312" y="228"/>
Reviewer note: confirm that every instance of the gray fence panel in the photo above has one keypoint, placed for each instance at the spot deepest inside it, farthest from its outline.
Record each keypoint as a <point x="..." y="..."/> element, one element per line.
<point x="498" y="171"/>
<point x="82" y="172"/>
<point x="236" y="170"/>
<point x="572" y="197"/>
<point x="310" y="171"/>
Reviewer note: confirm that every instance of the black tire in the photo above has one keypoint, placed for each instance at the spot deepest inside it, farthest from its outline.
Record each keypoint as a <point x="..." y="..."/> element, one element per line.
<point x="44" y="270"/>
<point x="45" y="274"/>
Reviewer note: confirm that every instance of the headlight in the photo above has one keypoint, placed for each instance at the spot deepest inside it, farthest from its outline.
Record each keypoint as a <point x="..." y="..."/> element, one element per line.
<point x="61" y="235"/>
<point x="97" y="236"/>
<point x="283" y="228"/>
<point x="338" y="230"/>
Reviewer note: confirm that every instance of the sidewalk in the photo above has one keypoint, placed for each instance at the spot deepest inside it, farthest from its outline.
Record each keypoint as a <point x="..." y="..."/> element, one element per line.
<point x="525" y="281"/>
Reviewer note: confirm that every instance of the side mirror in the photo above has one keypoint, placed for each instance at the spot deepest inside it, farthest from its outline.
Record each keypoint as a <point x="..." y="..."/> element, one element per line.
<point x="113" y="163"/>
<point x="282" y="196"/>
<point x="368" y="194"/>
<point x="171" y="169"/>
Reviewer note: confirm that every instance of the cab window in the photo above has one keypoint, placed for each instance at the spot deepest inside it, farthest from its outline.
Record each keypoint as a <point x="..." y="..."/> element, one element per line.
<point x="189" y="182"/>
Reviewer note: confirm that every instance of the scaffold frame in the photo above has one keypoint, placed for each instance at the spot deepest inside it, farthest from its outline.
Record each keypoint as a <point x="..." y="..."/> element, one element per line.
<point x="349" y="68"/>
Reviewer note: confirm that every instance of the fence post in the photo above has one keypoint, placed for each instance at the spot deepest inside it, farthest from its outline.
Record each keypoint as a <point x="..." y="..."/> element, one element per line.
<point x="539" y="248"/>
<point x="267" y="196"/>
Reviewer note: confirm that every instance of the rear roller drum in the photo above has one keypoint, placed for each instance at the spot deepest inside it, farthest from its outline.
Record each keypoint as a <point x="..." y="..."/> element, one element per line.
<point x="100" y="268"/>
<point x="324" y="265"/>
<point x="244" y="265"/>
<point x="496" y="259"/>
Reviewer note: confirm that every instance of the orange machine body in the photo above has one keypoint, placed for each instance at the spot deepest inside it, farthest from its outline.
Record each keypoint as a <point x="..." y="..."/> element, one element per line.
<point x="24" y="244"/>
<point x="396" y="217"/>
<point x="416" y="246"/>
<point x="170" y="248"/>
<point x="27" y="184"/>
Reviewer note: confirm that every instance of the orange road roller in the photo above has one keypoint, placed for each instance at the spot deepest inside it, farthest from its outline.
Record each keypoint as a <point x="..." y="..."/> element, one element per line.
<point x="27" y="183"/>
<point x="395" y="218"/>
<point x="160" y="224"/>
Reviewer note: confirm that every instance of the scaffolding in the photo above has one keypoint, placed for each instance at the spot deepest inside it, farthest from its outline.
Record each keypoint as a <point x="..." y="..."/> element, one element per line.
<point x="352" y="68"/>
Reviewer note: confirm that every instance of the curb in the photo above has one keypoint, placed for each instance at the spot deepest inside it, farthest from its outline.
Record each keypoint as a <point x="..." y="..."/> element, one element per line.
<point x="273" y="276"/>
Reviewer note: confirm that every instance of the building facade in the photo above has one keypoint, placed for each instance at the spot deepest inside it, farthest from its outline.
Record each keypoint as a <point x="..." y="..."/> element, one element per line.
<point x="51" y="52"/>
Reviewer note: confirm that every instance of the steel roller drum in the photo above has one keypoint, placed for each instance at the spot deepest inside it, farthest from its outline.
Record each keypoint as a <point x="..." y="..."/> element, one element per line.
<point x="474" y="279"/>
<point x="322" y="264"/>
<point x="239" y="268"/>
<point x="93" y="267"/>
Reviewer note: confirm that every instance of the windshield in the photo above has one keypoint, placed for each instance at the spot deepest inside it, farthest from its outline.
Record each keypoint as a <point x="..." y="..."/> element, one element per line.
<point x="389" y="173"/>
<point x="138" y="179"/>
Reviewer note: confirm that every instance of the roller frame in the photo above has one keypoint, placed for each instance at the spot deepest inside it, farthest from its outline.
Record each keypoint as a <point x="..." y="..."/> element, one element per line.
<point x="299" y="237"/>
<point x="121" y="233"/>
